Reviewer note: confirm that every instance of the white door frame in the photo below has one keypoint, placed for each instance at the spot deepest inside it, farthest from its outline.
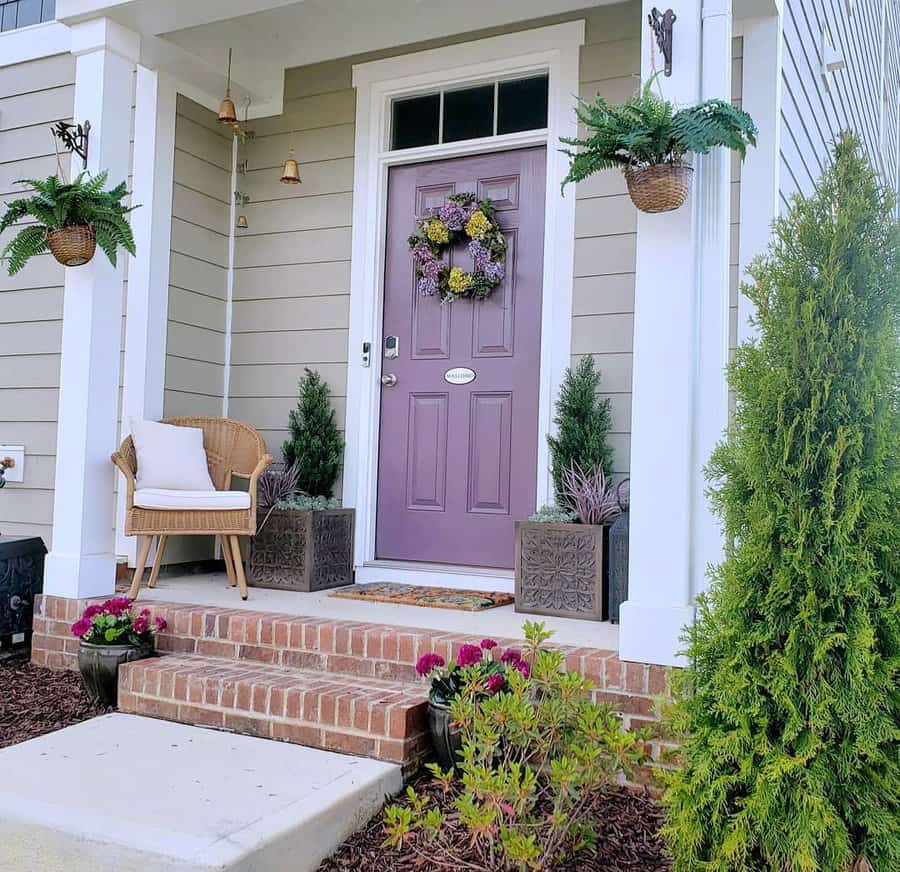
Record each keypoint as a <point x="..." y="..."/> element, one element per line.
<point x="554" y="50"/>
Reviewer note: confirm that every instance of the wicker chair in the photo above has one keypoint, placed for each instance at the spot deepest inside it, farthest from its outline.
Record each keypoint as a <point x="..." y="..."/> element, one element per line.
<point x="233" y="449"/>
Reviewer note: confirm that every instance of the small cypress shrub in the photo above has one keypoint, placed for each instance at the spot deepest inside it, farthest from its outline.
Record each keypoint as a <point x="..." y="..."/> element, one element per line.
<point x="315" y="445"/>
<point x="582" y="421"/>
<point x="790" y="707"/>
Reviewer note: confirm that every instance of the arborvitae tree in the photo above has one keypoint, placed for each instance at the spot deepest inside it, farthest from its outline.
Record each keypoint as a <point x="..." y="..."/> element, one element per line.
<point x="315" y="444"/>
<point x="582" y="422"/>
<point x="791" y="703"/>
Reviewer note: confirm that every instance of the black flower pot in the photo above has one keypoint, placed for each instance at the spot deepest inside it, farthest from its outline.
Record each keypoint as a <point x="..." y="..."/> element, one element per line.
<point x="99" y="665"/>
<point x="445" y="737"/>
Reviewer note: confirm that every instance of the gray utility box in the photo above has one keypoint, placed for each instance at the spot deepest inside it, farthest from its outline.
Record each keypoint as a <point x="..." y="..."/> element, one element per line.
<point x="21" y="580"/>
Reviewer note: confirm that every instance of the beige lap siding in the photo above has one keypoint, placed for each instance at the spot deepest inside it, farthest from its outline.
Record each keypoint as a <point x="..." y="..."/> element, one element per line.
<point x="33" y="95"/>
<point x="195" y="347"/>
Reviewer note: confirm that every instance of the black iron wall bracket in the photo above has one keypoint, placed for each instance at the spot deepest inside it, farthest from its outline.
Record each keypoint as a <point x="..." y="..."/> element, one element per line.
<point x="74" y="137"/>
<point x="661" y="24"/>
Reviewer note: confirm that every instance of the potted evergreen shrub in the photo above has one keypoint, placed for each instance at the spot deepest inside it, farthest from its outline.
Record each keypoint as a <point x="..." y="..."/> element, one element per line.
<point x="72" y="219"/>
<point x="304" y="538"/>
<point x="112" y="633"/>
<point x="650" y="141"/>
<point x="560" y="566"/>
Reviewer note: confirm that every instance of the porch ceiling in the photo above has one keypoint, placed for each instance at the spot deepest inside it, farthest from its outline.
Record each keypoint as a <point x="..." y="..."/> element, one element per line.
<point x="189" y="40"/>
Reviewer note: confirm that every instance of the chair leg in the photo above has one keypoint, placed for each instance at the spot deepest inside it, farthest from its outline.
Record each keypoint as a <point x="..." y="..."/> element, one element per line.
<point x="238" y="566"/>
<point x="157" y="563"/>
<point x="143" y="554"/>
<point x="226" y="556"/>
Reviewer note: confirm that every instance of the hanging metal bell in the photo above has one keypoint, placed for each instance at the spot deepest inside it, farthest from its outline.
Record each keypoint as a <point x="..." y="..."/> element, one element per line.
<point x="290" y="175"/>
<point x="242" y="222"/>
<point x="227" y="112"/>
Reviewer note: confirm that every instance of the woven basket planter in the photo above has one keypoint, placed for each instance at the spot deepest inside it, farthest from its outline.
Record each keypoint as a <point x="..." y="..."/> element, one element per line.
<point x="73" y="246"/>
<point x="302" y="550"/>
<point x="659" y="187"/>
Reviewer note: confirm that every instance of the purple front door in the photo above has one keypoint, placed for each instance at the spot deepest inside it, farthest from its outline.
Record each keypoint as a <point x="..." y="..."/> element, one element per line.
<point x="457" y="459"/>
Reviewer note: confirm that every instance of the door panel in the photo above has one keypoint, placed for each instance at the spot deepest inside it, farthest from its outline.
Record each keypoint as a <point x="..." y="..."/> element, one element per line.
<point x="457" y="463"/>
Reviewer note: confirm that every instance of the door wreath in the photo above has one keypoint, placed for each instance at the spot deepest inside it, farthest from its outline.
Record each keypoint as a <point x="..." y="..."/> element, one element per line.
<point x="462" y="218"/>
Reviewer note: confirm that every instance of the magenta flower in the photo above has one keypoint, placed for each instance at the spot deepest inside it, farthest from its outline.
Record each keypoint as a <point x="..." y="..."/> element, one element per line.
<point x="495" y="682"/>
<point x="117" y="606"/>
<point x="510" y="655"/>
<point x="428" y="663"/>
<point x="468" y="655"/>
<point x="522" y="666"/>
<point x="488" y="644"/>
<point x="160" y="623"/>
<point x="140" y="625"/>
<point x="82" y="627"/>
<point x="91" y="610"/>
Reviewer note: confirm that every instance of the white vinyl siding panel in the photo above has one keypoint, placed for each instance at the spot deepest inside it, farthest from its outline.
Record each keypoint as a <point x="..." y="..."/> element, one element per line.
<point x="33" y="96"/>
<point x="856" y="97"/>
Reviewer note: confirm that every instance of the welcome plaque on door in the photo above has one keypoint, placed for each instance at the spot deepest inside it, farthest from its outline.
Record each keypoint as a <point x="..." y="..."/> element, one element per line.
<point x="459" y="375"/>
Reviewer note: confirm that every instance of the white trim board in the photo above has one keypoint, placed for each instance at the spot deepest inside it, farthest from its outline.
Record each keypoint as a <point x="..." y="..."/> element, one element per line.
<point x="37" y="41"/>
<point x="553" y="50"/>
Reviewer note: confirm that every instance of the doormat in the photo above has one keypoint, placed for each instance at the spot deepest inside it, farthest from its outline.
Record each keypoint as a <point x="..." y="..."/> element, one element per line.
<point x="421" y="595"/>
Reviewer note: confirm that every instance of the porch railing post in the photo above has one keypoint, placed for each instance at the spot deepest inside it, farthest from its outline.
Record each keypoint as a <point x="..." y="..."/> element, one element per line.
<point x="82" y="561"/>
<point x="679" y="399"/>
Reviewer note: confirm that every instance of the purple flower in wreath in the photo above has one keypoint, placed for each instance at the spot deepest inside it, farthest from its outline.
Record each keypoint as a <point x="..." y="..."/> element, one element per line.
<point x="427" y="287"/>
<point x="480" y="255"/>
<point x="452" y="214"/>
<point x="494" y="271"/>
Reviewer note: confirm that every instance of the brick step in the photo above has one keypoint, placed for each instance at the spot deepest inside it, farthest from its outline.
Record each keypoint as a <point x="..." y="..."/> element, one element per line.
<point x="368" y="717"/>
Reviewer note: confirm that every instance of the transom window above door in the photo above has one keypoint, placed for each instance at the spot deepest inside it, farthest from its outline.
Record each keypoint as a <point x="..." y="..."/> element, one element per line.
<point x="474" y="112"/>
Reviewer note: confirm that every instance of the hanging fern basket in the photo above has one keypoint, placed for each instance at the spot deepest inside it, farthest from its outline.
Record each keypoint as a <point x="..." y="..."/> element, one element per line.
<point x="659" y="187"/>
<point x="73" y="246"/>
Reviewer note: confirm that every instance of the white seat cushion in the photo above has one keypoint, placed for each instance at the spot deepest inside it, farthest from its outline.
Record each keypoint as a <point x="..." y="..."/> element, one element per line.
<point x="163" y="498"/>
<point x="170" y="457"/>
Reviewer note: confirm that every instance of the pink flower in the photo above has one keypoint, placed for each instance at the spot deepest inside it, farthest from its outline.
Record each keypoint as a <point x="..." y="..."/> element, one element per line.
<point x="160" y="623"/>
<point x="428" y="663"/>
<point x="92" y="610"/>
<point x="144" y="613"/>
<point x="488" y="644"/>
<point x="495" y="682"/>
<point x="141" y="625"/>
<point x="510" y="655"/>
<point x="82" y="627"/>
<point x="522" y="666"/>
<point x="468" y="655"/>
<point x="117" y="606"/>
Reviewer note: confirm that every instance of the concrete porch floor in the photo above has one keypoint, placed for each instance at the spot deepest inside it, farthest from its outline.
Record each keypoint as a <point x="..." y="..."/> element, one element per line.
<point x="212" y="590"/>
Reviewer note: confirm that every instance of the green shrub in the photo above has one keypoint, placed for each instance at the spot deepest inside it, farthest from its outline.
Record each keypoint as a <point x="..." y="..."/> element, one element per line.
<point x="582" y="421"/>
<point x="791" y="706"/>
<point x="315" y="446"/>
<point x="533" y="754"/>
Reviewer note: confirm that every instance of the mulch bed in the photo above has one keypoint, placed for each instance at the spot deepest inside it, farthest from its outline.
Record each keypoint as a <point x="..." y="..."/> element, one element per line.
<point x="627" y="823"/>
<point x="34" y="701"/>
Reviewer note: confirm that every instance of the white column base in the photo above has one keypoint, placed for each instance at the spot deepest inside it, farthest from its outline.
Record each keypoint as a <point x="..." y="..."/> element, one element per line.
<point x="78" y="576"/>
<point x="652" y="634"/>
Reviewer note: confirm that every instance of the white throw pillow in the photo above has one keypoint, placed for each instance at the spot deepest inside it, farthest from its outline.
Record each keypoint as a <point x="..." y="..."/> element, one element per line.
<point x="170" y="457"/>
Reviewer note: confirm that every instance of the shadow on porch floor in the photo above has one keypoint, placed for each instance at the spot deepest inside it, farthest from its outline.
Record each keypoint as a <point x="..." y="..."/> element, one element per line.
<point x="212" y="590"/>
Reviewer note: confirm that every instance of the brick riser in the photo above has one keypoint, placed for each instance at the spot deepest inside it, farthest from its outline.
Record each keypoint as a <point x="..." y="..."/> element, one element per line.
<point x="366" y="651"/>
<point x="385" y="720"/>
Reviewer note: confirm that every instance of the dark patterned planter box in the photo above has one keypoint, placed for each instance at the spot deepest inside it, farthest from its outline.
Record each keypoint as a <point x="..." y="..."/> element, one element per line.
<point x="559" y="570"/>
<point x="302" y="550"/>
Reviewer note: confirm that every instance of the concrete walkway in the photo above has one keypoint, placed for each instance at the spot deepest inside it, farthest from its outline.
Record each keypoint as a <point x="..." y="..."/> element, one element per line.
<point x="122" y="793"/>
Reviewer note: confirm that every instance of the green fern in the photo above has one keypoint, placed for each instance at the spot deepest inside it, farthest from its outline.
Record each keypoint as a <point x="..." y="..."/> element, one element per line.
<point x="55" y="205"/>
<point x="647" y="130"/>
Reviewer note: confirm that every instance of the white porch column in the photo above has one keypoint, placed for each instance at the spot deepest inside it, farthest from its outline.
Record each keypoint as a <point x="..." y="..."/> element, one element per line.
<point x="680" y="350"/>
<point x="82" y="561"/>
<point x="761" y="171"/>
<point x="148" y="273"/>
